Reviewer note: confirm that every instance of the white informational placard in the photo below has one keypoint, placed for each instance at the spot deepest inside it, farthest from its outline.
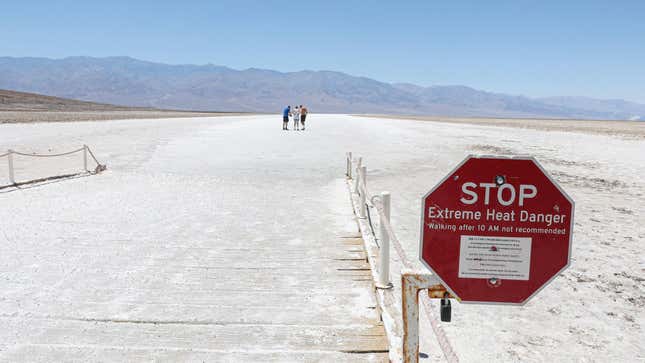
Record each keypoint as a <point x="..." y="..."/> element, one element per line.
<point x="483" y="257"/>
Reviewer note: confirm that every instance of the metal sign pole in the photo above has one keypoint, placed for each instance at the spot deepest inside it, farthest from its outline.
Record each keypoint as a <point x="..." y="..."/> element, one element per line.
<point x="411" y="283"/>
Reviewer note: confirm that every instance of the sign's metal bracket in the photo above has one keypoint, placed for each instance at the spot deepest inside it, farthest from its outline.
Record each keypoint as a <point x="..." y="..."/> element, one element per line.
<point x="412" y="282"/>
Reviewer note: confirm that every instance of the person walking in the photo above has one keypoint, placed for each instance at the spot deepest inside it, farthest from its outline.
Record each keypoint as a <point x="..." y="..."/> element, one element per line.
<point x="285" y="117"/>
<point x="296" y="119"/>
<point x="303" y="116"/>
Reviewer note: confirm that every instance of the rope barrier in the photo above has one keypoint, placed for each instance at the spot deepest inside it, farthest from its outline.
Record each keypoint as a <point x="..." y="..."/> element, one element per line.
<point x="47" y="155"/>
<point x="99" y="167"/>
<point x="446" y="347"/>
<point x="442" y="339"/>
<point x="368" y="204"/>
<point x="93" y="157"/>
<point x="369" y="221"/>
<point x="394" y="240"/>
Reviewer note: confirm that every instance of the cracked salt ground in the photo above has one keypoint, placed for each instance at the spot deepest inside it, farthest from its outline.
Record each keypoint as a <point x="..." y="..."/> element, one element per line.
<point x="600" y="315"/>
<point x="185" y="249"/>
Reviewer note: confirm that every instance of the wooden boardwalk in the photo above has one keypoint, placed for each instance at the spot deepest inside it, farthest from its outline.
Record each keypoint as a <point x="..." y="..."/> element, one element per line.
<point x="155" y="263"/>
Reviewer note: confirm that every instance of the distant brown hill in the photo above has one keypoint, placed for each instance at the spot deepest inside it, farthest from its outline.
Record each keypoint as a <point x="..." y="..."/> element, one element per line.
<point x="23" y="101"/>
<point x="23" y="107"/>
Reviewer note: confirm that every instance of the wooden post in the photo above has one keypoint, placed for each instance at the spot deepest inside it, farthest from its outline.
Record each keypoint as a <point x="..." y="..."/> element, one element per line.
<point x="363" y="177"/>
<point x="358" y="174"/>
<point x="12" y="178"/>
<point x="85" y="157"/>
<point x="384" y="263"/>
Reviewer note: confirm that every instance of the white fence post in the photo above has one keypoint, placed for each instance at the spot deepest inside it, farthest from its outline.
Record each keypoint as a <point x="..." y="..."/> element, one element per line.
<point x="384" y="265"/>
<point x="85" y="157"/>
<point x="346" y="164"/>
<point x="358" y="174"/>
<point x="363" y="174"/>
<point x="349" y="165"/>
<point x="12" y="178"/>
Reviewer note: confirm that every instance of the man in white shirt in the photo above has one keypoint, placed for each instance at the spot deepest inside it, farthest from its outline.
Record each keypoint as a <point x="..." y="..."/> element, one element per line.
<point x="296" y="118"/>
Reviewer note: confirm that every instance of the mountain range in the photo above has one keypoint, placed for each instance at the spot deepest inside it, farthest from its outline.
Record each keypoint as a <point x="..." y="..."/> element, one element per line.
<point x="131" y="82"/>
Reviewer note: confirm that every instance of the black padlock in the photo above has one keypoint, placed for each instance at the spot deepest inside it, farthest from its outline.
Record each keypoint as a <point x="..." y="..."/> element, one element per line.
<point x="446" y="310"/>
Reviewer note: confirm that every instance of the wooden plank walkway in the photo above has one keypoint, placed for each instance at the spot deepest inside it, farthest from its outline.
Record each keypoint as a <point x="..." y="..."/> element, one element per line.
<point x="175" y="266"/>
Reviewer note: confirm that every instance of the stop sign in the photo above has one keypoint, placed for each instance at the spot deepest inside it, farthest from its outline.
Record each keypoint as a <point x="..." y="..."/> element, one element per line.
<point x="496" y="230"/>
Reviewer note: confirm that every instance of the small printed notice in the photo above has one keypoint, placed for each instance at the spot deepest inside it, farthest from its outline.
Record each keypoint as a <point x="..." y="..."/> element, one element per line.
<point x="483" y="257"/>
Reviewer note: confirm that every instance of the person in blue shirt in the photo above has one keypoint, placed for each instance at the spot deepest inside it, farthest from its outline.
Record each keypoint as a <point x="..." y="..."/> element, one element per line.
<point x="285" y="117"/>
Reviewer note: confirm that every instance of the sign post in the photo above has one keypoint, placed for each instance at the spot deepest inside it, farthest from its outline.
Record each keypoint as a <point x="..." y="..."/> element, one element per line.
<point x="496" y="230"/>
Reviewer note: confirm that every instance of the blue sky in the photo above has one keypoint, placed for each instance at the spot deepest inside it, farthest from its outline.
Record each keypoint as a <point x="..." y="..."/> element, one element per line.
<point x="535" y="48"/>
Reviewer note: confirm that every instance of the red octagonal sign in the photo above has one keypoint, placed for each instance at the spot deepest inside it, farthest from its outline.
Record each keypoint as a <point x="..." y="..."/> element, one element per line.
<point x="496" y="230"/>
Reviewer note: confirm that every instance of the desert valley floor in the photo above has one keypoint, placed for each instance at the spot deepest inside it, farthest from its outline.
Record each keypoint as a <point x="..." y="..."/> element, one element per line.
<point x="221" y="238"/>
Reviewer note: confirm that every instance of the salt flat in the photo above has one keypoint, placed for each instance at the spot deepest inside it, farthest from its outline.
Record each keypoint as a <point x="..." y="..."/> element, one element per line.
<point x="596" y="308"/>
<point x="221" y="239"/>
